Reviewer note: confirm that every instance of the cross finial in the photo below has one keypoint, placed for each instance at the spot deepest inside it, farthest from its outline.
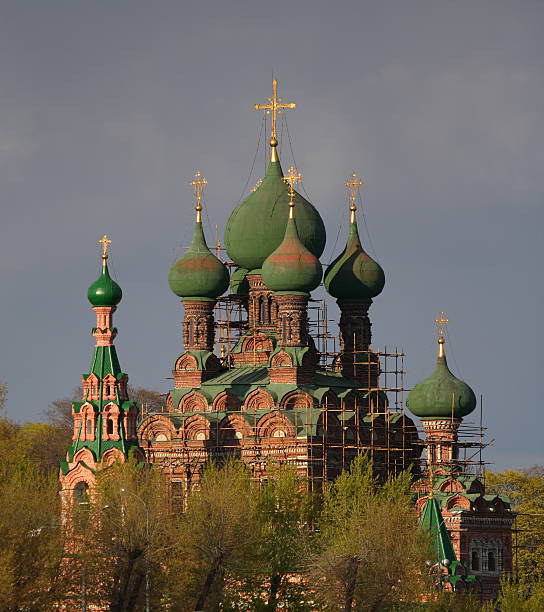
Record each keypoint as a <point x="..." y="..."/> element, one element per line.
<point x="274" y="107"/>
<point x="353" y="185"/>
<point x="105" y="242"/>
<point x="441" y="323"/>
<point x="198" y="184"/>
<point x="292" y="178"/>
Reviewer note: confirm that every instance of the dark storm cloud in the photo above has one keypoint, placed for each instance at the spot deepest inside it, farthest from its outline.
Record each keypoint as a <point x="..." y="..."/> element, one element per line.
<point x="108" y="108"/>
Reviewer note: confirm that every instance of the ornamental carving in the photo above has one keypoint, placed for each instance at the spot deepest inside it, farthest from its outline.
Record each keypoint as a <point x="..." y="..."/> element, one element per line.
<point x="282" y="359"/>
<point x="196" y="427"/>
<point x="234" y="427"/>
<point x="186" y="362"/>
<point x="155" y="427"/>
<point x="275" y="425"/>
<point x="193" y="402"/>
<point x="84" y="455"/>
<point x="296" y="399"/>
<point x="259" y="400"/>
<point x="226" y="401"/>
<point x="460" y="501"/>
<point x="111" y="456"/>
<point x="257" y="343"/>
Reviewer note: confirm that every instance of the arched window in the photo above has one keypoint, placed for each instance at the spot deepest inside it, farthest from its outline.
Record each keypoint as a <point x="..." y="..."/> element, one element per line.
<point x="284" y="328"/>
<point x="491" y="562"/>
<point x="109" y="430"/>
<point x="475" y="561"/>
<point x="191" y="333"/>
<point x="80" y="492"/>
<point x="89" y="428"/>
<point x="262" y="310"/>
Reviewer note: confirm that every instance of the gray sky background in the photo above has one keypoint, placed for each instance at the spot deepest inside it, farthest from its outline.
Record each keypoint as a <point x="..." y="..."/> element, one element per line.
<point x="108" y="107"/>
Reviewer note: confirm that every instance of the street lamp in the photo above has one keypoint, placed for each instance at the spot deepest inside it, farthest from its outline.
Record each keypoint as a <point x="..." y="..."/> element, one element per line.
<point x="123" y="490"/>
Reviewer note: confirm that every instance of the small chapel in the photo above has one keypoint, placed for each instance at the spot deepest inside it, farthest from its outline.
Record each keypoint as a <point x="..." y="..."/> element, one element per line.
<point x="266" y="384"/>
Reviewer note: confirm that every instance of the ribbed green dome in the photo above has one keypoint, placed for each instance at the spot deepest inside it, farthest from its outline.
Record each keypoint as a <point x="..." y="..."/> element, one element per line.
<point x="198" y="273"/>
<point x="354" y="274"/>
<point x="104" y="291"/>
<point x="257" y="225"/>
<point x="291" y="267"/>
<point x="441" y="395"/>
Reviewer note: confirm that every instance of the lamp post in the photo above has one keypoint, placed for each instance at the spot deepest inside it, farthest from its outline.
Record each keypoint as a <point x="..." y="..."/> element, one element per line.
<point x="147" y="606"/>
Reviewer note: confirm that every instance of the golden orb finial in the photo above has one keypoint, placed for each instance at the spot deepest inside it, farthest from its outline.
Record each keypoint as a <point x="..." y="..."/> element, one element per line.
<point x="353" y="185"/>
<point x="292" y="178"/>
<point x="105" y="242"/>
<point x="274" y="107"/>
<point x="198" y="183"/>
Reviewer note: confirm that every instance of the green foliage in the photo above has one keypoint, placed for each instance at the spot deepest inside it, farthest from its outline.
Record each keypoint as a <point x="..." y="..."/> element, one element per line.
<point x="3" y="395"/>
<point x="287" y="513"/>
<point x="525" y="488"/>
<point x="521" y="596"/>
<point x="371" y="551"/>
<point x="30" y="538"/>
<point x="217" y="538"/>
<point x="130" y="524"/>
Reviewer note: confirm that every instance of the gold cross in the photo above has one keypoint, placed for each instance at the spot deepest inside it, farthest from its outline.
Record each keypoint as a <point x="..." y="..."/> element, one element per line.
<point x="105" y="242"/>
<point x="198" y="184"/>
<point x="441" y="323"/>
<point x="275" y="106"/>
<point x="292" y="178"/>
<point x="353" y="188"/>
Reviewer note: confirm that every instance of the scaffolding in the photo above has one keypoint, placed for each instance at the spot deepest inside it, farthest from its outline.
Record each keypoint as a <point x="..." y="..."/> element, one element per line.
<point x="368" y="418"/>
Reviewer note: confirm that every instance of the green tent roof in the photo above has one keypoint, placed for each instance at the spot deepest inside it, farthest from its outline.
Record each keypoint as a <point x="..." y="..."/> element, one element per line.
<point x="432" y="522"/>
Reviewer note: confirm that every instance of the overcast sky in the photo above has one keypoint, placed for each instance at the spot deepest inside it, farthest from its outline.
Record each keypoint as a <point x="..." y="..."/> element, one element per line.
<point x="107" y="108"/>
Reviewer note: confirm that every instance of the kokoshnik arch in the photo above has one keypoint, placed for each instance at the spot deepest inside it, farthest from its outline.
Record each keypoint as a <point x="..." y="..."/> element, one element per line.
<point x="271" y="396"/>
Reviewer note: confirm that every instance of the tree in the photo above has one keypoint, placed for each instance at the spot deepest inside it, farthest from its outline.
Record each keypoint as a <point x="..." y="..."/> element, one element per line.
<point x="3" y="395"/>
<point x="30" y="538"/>
<point x="59" y="412"/>
<point x="525" y="488"/>
<point x="287" y="512"/>
<point x="217" y="538"/>
<point x="516" y="596"/>
<point x="372" y="553"/>
<point x="126" y="537"/>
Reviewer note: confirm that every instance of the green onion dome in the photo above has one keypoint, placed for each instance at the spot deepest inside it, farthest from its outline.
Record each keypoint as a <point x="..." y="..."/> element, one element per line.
<point x="354" y="274"/>
<point x="442" y="395"/>
<point x="104" y="291"/>
<point x="292" y="267"/>
<point x="257" y="225"/>
<point x="198" y="274"/>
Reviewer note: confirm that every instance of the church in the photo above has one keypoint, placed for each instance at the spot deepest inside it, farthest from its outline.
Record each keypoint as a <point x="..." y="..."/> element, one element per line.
<point x="261" y="378"/>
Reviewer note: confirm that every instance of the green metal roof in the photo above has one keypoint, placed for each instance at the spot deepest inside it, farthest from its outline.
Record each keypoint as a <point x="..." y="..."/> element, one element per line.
<point x="104" y="291"/>
<point x="256" y="227"/>
<point x="432" y="522"/>
<point x="354" y="275"/>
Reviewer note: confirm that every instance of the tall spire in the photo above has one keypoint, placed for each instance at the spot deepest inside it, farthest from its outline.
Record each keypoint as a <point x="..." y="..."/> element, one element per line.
<point x="105" y="420"/>
<point x="274" y="106"/>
